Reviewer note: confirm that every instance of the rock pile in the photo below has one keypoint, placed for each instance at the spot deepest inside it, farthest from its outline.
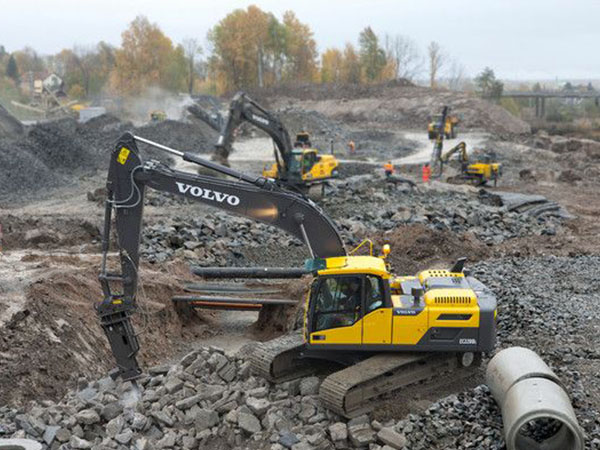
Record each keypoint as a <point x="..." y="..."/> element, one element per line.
<point x="217" y="238"/>
<point x="352" y="206"/>
<point x="207" y="400"/>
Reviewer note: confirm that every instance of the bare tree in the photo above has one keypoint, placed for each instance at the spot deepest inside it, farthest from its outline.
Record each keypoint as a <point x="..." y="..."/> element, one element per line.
<point x="191" y="49"/>
<point x="437" y="59"/>
<point x="405" y="54"/>
<point x="83" y="59"/>
<point x="456" y="75"/>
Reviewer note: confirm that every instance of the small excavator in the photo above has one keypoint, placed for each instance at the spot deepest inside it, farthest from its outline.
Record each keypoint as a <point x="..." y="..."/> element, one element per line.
<point x="298" y="165"/>
<point x="389" y="331"/>
<point x="476" y="173"/>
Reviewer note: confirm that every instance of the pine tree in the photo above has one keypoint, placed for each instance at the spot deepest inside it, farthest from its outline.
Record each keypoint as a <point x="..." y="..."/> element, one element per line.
<point x="12" y="71"/>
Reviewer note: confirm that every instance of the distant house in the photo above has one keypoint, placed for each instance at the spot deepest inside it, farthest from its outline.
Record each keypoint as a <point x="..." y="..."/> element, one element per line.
<point x="38" y="84"/>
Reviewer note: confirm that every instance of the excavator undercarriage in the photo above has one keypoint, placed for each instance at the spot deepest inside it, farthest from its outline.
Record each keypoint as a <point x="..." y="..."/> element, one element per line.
<point x="355" y="382"/>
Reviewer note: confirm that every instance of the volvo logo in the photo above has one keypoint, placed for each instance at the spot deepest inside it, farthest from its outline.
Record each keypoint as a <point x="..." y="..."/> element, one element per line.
<point x="208" y="194"/>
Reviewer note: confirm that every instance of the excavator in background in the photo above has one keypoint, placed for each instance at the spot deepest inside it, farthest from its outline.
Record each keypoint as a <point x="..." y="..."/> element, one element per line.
<point x="438" y="145"/>
<point x="449" y="126"/>
<point x="476" y="173"/>
<point x="157" y="115"/>
<point x="390" y="331"/>
<point x="298" y="165"/>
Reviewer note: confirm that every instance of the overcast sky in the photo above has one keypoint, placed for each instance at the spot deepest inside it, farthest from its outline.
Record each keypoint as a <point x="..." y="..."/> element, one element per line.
<point x="531" y="39"/>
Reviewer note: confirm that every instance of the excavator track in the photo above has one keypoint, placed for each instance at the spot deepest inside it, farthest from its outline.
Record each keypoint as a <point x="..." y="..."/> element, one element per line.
<point x="357" y="389"/>
<point x="279" y="360"/>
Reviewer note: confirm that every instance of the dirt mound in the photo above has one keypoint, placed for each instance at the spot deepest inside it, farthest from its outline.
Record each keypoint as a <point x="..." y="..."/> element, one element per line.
<point x="180" y="135"/>
<point x="417" y="247"/>
<point x="328" y="90"/>
<point x="274" y="320"/>
<point x="49" y="232"/>
<point x="389" y="105"/>
<point x="56" y="338"/>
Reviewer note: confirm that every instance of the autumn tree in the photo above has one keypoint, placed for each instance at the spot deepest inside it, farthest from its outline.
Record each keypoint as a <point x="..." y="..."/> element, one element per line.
<point x="404" y="54"/>
<point x="372" y="56"/>
<point x="191" y="49"/>
<point x="300" y="50"/>
<point x="332" y="61"/>
<point x="253" y="48"/>
<point x="351" y="71"/>
<point x="12" y="71"/>
<point x="28" y="61"/>
<point x="85" y="70"/>
<point x="436" y="60"/>
<point x="240" y="42"/>
<point x="147" y="58"/>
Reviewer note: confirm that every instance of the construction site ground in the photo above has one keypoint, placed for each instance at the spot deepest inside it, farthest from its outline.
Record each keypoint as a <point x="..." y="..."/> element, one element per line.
<point x="546" y="279"/>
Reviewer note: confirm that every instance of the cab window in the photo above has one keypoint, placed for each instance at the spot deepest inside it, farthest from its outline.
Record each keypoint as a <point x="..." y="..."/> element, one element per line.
<point x="338" y="303"/>
<point x="308" y="161"/>
<point x="373" y="293"/>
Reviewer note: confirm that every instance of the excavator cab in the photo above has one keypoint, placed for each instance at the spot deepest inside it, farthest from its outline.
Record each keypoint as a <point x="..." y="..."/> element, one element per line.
<point x="356" y="304"/>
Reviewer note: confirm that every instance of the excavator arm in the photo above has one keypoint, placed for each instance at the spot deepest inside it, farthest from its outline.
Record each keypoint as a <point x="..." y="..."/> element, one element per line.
<point x="243" y="108"/>
<point x="214" y="120"/>
<point x="436" y="166"/>
<point x="461" y="148"/>
<point x="256" y="198"/>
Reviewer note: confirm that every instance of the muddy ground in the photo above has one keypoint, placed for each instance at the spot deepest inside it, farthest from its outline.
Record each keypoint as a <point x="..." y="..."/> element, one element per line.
<point x="49" y="334"/>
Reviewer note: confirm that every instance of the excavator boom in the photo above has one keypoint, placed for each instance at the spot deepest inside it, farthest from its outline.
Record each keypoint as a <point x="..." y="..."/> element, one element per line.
<point x="214" y="120"/>
<point x="438" y="144"/>
<point x="256" y="198"/>
<point x="243" y="108"/>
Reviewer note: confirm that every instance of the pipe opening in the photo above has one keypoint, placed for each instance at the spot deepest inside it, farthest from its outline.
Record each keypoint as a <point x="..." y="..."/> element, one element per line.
<point x="545" y="433"/>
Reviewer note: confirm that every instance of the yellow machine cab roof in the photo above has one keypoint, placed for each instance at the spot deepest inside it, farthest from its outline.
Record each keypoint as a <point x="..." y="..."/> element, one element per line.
<point x="355" y="264"/>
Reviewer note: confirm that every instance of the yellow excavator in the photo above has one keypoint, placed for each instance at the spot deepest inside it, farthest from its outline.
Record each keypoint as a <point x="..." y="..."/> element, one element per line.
<point x="299" y="165"/>
<point x="450" y="125"/>
<point x="158" y="116"/>
<point x="389" y="331"/>
<point x="476" y="173"/>
<point x="314" y="167"/>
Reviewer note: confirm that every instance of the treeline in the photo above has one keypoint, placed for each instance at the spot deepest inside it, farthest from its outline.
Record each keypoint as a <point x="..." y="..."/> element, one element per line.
<point x="248" y="48"/>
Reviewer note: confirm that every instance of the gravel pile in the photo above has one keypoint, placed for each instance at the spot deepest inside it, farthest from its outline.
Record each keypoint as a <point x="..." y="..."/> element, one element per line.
<point x="57" y="153"/>
<point x="546" y="304"/>
<point x="445" y="210"/>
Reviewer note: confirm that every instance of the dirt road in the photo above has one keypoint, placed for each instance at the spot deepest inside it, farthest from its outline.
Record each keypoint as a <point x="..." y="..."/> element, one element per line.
<point x="422" y="153"/>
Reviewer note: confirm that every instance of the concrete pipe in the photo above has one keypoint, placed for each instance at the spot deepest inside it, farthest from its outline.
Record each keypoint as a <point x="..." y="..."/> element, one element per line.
<point x="19" y="444"/>
<point x="536" y="410"/>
